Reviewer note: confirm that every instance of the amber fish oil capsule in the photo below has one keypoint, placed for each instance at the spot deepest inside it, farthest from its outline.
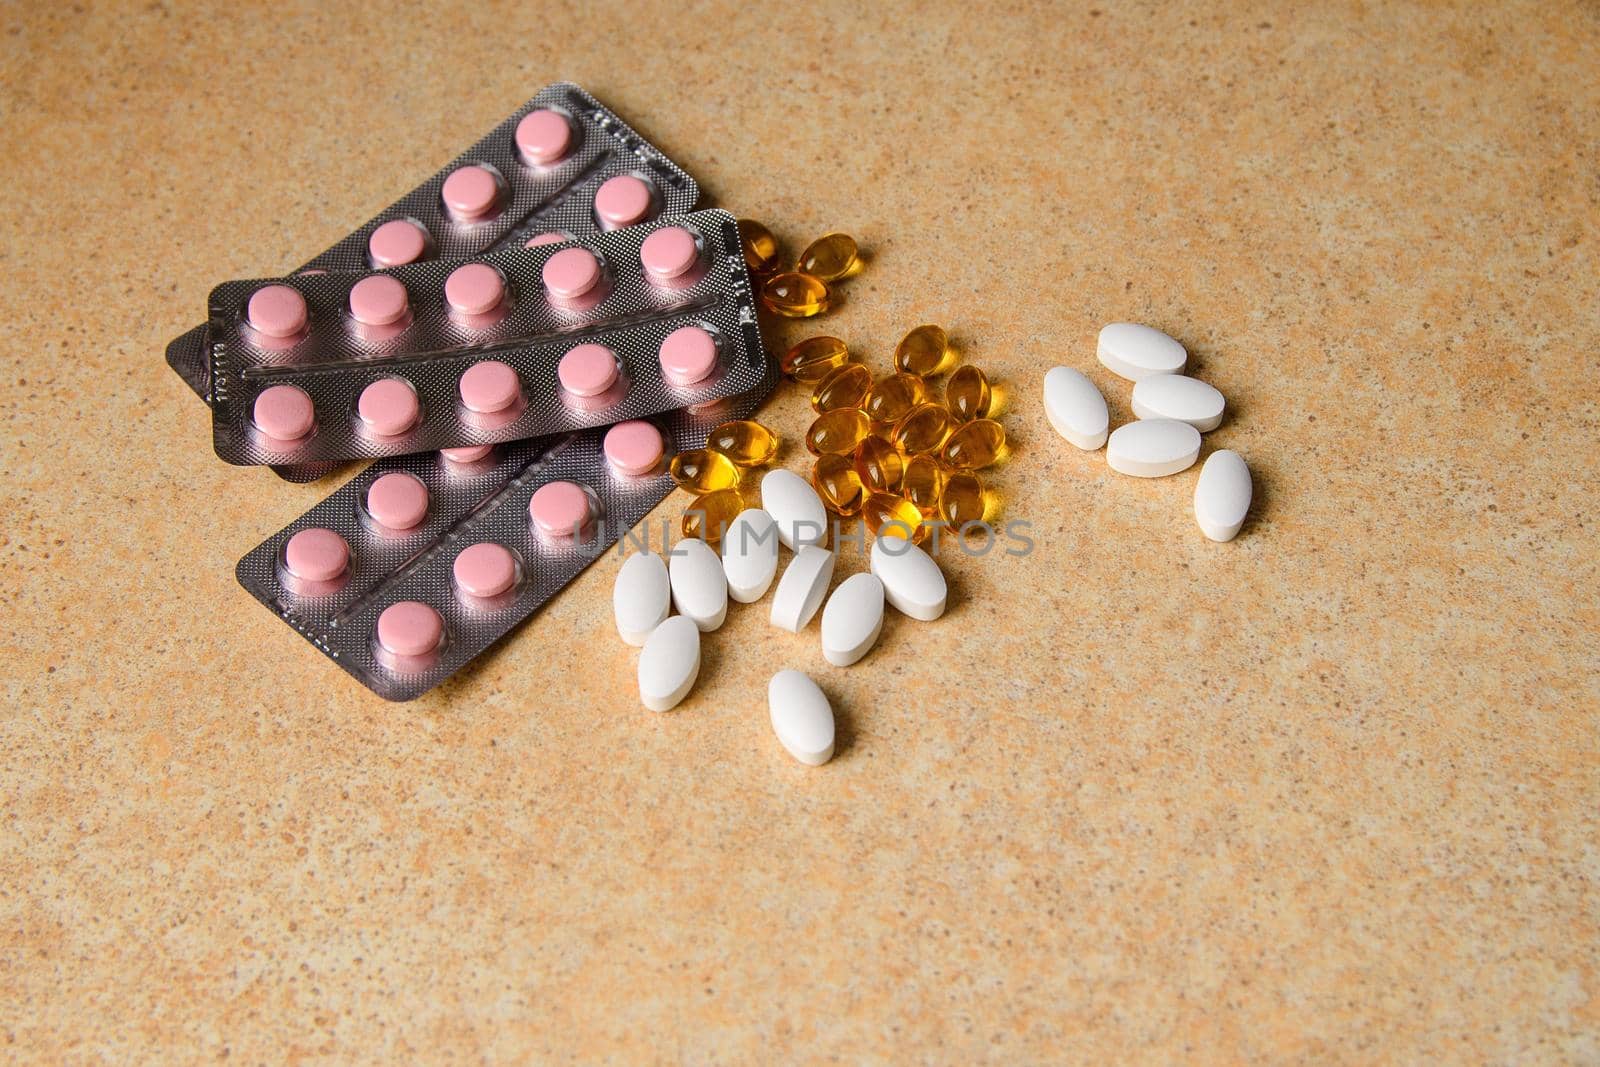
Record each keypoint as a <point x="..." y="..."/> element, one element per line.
<point x="881" y="464"/>
<point x="961" y="500"/>
<point x="701" y="470"/>
<point x="835" y="479"/>
<point x="709" y="515"/>
<point x="923" y="351"/>
<point x="760" y="247"/>
<point x="795" y="295"/>
<point x="831" y="257"/>
<point x="922" y="484"/>
<point x="814" y="359"/>
<point x="885" y="512"/>
<point x="974" y="444"/>
<point x="745" y="441"/>
<point x="844" y="387"/>
<point x="838" y="432"/>
<point x="967" y="394"/>
<point x="893" y="395"/>
<point x="922" y="429"/>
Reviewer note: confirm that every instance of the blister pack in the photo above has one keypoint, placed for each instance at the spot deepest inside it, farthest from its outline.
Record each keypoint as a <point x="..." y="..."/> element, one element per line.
<point x="562" y="165"/>
<point x="419" y="563"/>
<point x="519" y="343"/>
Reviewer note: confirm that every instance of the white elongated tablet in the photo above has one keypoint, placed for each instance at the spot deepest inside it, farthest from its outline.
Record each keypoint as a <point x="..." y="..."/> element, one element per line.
<point x="642" y="597"/>
<point x="802" y="587"/>
<point x="1222" y="495"/>
<point x="852" y="620"/>
<point x="795" y="507"/>
<point x="1136" y="352"/>
<point x="801" y="717"/>
<point x="1075" y="408"/>
<point x="699" y="588"/>
<point x="913" y="584"/>
<point x="1177" y="396"/>
<point x="669" y="663"/>
<point x="750" y="555"/>
<point x="1153" y="448"/>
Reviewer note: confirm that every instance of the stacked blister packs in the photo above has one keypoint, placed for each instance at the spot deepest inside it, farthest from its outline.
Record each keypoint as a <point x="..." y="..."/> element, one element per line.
<point x="520" y="345"/>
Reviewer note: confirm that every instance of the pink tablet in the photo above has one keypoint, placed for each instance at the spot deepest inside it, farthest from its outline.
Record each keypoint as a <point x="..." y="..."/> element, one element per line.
<point x="669" y="253"/>
<point x="277" y="311"/>
<point x="316" y="555"/>
<point x="485" y="569"/>
<point x="471" y="192"/>
<point x="466" y="453"/>
<point x="544" y="137"/>
<point x="588" y="370"/>
<point x="410" y="628"/>
<point x="379" y="300"/>
<point x="397" y="242"/>
<point x="389" y="407"/>
<point x="489" y="386"/>
<point x="554" y="237"/>
<point x="634" y="447"/>
<point x="397" y="501"/>
<point x="284" y="412"/>
<point x="474" y="289"/>
<point x="560" y="508"/>
<point x="688" y="355"/>
<point x="623" y="200"/>
<point x="571" y="274"/>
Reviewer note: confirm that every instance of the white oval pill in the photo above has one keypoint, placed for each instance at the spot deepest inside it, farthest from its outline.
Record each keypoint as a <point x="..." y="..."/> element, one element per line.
<point x="669" y="664"/>
<point x="1153" y="448"/>
<point x="802" y="587"/>
<point x="1177" y="396"/>
<point x="1136" y="352"/>
<point x="1075" y="408"/>
<point x="852" y="620"/>
<point x="1222" y="495"/>
<point x="642" y="597"/>
<point x="699" y="588"/>
<point x="750" y="555"/>
<point x="796" y="508"/>
<point x="801" y="717"/>
<point x="912" y="582"/>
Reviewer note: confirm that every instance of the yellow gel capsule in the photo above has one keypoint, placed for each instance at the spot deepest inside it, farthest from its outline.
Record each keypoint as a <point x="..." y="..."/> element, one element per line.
<point x="814" y="359"/>
<point x="961" y="501"/>
<point x="845" y="387"/>
<point x="922" y="484"/>
<point x="795" y="295"/>
<point x="974" y="444"/>
<point x="837" y="432"/>
<point x="831" y="257"/>
<point x="923" y="351"/>
<point x="710" y="515"/>
<point x="922" y="429"/>
<point x="837" y="483"/>
<point x="701" y="470"/>
<point x="746" y="442"/>
<point x="760" y="247"/>
<point x="893" y="395"/>
<point x="966" y="394"/>
<point x="886" y="513"/>
<point x="880" y="464"/>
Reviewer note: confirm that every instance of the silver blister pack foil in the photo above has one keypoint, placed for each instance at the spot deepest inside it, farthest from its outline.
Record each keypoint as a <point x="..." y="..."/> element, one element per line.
<point x="469" y="504"/>
<point x="335" y="358"/>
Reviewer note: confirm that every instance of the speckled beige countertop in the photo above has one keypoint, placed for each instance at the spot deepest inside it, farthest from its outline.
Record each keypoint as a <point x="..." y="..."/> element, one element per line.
<point x="1329" y="793"/>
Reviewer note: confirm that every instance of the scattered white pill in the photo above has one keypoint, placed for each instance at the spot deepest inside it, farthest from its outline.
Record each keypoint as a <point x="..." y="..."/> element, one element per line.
<point x="1075" y="408"/>
<point x="642" y="597"/>
<point x="669" y="663"/>
<point x="1222" y="495"/>
<point x="912" y="582"/>
<point x="852" y="620"/>
<point x="1177" y="396"/>
<point x="750" y="555"/>
<point x="1136" y="352"/>
<point x="801" y="717"/>
<point x="1153" y="448"/>
<point x="796" y="508"/>
<point x="802" y="587"/>
<point x="699" y="587"/>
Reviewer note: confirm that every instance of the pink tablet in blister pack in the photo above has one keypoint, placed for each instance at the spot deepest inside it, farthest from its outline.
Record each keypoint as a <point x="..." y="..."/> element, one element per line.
<point x="520" y="343"/>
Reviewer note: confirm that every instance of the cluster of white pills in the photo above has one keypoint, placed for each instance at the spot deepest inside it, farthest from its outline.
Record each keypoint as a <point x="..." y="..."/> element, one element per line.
<point x="1171" y="410"/>
<point x="699" y="585"/>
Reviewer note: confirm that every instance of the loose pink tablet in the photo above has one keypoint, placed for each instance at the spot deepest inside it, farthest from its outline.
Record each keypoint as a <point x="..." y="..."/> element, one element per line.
<point x="277" y="311"/>
<point x="588" y="370"/>
<point x="398" y="500"/>
<point x="410" y="628"/>
<point x="470" y="192"/>
<point x="489" y="386"/>
<point x="316" y="555"/>
<point x="669" y="253"/>
<point x="485" y="569"/>
<point x="688" y="355"/>
<point x="378" y="300"/>
<point x="623" y="200"/>
<point x="474" y="289"/>
<point x="397" y="242"/>
<point x="571" y="273"/>
<point x="554" y="237"/>
<point x="466" y="453"/>
<point x="544" y="136"/>
<point x="389" y="407"/>
<point x="284" y="412"/>
<point x="560" y="509"/>
<point x="634" y="447"/>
